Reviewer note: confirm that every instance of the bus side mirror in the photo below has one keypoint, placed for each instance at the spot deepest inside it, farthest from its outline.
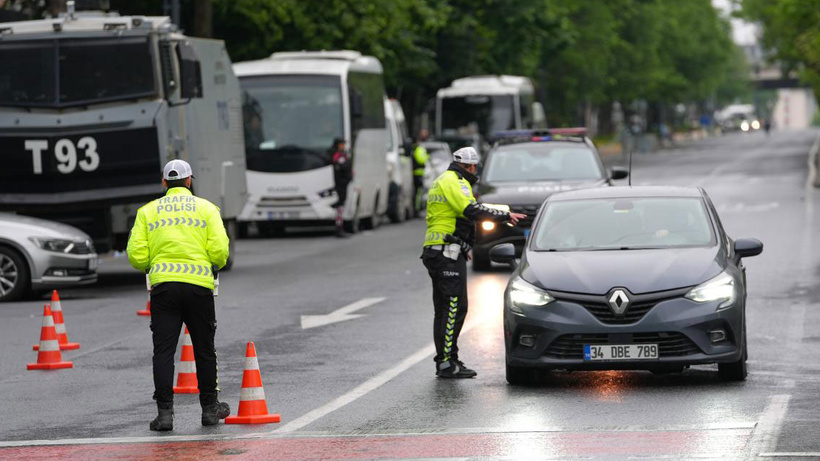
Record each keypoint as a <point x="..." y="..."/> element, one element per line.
<point x="190" y="72"/>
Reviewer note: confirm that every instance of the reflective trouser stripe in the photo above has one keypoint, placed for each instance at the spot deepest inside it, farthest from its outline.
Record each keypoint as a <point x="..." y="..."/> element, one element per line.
<point x="49" y="345"/>
<point x="451" y="321"/>
<point x="252" y="393"/>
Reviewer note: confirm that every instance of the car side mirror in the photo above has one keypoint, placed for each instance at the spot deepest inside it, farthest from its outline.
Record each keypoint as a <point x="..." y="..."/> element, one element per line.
<point x="503" y="254"/>
<point x="618" y="172"/>
<point x="745" y="248"/>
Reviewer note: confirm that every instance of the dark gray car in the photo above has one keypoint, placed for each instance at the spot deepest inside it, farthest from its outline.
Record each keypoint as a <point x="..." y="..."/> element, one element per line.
<point x="627" y="278"/>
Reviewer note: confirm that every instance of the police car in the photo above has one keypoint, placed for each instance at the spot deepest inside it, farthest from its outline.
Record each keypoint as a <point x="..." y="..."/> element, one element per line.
<point x="523" y="169"/>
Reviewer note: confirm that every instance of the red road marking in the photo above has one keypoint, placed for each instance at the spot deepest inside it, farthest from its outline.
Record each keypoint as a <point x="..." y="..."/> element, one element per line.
<point x="532" y="445"/>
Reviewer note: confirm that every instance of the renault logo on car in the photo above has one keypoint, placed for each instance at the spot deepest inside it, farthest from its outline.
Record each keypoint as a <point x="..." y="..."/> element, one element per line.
<point x="618" y="302"/>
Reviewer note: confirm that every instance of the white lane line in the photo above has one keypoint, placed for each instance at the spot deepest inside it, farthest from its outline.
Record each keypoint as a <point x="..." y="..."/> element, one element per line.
<point x="363" y="389"/>
<point x="765" y="435"/>
<point x="792" y="454"/>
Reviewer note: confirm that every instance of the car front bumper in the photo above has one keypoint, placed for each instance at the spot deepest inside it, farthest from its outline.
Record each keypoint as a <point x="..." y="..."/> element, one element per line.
<point x="53" y="270"/>
<point x="678" y="326"/>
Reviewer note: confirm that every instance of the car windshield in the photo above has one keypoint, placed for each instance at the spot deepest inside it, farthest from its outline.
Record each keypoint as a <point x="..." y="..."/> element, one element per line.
<point x="65" y="72"/>
<point x="481" y="114"/>
<point x="623" y="223"/>
<point x="542" y="162"/>
<point x="291" y="121"/>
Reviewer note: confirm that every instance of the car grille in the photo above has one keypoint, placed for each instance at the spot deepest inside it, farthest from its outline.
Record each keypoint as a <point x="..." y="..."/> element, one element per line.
<point x="529" y="210"/>
<point x="669" y="344"/>
<point x="640" y="305"/>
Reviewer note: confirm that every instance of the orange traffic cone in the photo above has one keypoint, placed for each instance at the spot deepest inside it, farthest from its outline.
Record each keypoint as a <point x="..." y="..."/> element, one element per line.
<point x="147" y="310"/>
<point x="49" y="356"/>
<point x="252" y="406"/>
<point x="186" y="378"/>
<point x="59" y="325"/>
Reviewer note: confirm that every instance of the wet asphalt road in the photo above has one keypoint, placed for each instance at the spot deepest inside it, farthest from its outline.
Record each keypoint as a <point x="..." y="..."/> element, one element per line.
<point x="364" y="388"/>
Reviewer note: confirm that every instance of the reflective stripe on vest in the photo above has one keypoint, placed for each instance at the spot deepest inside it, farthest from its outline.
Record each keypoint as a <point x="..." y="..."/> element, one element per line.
<point x="175" y="268"/>
<point x="191" y="222"/>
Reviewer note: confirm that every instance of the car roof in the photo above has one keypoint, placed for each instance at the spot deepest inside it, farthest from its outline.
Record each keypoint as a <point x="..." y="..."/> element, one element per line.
<point x="628" y="192"/>
<point x="553" y="142"/>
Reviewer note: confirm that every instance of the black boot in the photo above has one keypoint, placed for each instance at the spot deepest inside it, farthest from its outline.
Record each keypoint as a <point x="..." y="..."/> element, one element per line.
<point x="211" y="414"/>
<point x="164" y="421"/>
<point x="454" y="369"/>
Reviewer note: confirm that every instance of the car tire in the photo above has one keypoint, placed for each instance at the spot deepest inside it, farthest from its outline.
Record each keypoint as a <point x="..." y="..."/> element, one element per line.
<point x="735" y="371"/>
<point x="481" y="263"/>
<point x="522" y="376"/>
<point x="395" y="203"/>
<point x="14" y="274"/>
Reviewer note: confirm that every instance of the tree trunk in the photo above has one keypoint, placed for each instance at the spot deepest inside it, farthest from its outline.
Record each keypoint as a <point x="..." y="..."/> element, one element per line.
<point x="203" y="18"/>
<point x="55" y="7"/>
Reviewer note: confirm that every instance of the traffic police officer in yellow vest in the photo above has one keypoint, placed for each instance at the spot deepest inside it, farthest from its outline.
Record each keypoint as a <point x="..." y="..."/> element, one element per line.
<point x="178" y="240"/>
<point x="451" y="214"/>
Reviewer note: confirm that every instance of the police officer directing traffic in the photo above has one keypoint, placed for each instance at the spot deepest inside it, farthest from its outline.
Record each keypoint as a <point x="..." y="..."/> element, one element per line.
<point x="451" y="214"/>
<point x="178" y="239"/>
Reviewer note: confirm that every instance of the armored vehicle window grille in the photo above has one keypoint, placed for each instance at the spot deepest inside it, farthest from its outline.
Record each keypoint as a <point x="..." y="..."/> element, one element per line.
<point x="168" y="80"/>
<point x="671" y="344"/>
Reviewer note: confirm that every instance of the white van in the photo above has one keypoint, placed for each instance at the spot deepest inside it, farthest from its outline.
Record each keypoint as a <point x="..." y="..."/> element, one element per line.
<point x="294" y="105"/>
<point x="399" y="163"/>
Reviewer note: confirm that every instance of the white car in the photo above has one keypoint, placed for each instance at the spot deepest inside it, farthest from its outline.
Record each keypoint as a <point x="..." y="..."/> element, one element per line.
<point x="36" y="255"/>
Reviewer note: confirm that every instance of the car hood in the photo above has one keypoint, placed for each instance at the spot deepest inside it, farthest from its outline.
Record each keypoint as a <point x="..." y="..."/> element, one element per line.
<point x="25" y="226"/>
<point x="639" y="271"/>
<point x="529" y="193"/>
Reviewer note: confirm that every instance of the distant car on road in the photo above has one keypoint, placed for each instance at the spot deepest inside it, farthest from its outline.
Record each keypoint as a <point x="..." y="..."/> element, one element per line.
<point x="36" y="254"/>
<point x="627" y="278"/>
<point x="523" y="169"/>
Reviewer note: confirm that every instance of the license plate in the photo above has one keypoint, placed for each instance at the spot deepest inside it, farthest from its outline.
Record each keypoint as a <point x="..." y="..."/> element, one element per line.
<point x="92" y="264"/>
<point x="282" y="215"/>
<point x="607" y="352"/>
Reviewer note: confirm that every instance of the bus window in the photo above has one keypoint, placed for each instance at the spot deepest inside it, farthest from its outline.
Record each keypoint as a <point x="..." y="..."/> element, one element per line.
<point x="291" y="121"/>
<point x="366" y="92"/>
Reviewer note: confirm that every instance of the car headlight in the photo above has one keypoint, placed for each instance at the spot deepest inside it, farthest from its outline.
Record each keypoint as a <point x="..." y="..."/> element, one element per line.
<point x="53" y="244"/>
<point x="720" y="288"/>
<point x="525" y="294"/>
<point x="327" y="192"/>
<point x="496" y="206"/>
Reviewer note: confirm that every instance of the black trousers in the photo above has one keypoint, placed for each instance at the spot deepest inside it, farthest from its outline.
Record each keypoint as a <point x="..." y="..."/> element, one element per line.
<point x="449" y="301"/>
<point x="173" y="303"/>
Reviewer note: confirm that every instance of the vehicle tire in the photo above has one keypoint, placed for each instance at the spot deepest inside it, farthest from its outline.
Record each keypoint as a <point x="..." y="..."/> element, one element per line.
<point x="372" y="221"/>
<point x="522" y="376"/>
<point x="481" y="263"/>
<point x="352" y="226"/>
<point x="15" y="276"/>
<point x="735" y="371"/>
<point x="232" y="229"/>
<point x="395" y="209"/>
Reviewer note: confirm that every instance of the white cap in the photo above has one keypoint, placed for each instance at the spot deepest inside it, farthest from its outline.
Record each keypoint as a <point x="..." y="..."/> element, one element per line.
<point x="466" y="155"/>
<point x="176" y="169"/>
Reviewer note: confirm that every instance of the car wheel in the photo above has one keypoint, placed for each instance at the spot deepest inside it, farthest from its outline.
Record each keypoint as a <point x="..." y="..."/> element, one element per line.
<point x="522" y="376"/>
<point x="735" y="371"/>
<point x="398" y="213"/>
<point x="481" y="263"/>
<point x="14" y="274"/>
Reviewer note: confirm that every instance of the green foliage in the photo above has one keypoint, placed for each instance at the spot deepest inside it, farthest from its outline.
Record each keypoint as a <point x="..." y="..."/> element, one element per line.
<point x="791" y="30"/>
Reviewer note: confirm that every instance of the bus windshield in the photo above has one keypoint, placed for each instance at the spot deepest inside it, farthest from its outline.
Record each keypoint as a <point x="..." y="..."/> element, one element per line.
<point x="291" y="121"/>
<point x="66" y="72"/>
<point x="481" y="114"/>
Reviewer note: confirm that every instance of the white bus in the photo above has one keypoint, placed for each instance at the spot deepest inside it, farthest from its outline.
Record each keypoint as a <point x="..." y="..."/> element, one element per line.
<point x="294" y="105"/>
<point x="486" y="104"/>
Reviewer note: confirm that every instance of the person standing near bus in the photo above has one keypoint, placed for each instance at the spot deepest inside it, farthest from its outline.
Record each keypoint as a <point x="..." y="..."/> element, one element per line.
<point x="342" y="176"/>
<point x="420" y="159"/>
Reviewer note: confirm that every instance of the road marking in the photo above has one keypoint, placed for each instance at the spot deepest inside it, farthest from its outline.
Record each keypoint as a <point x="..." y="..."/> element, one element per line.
<point x="791" y="454"/>
<point x="339" y="315"/>
<point x="353" y="435"/>
<point x="765" y="435"/>
<point x="363" y="389"/>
